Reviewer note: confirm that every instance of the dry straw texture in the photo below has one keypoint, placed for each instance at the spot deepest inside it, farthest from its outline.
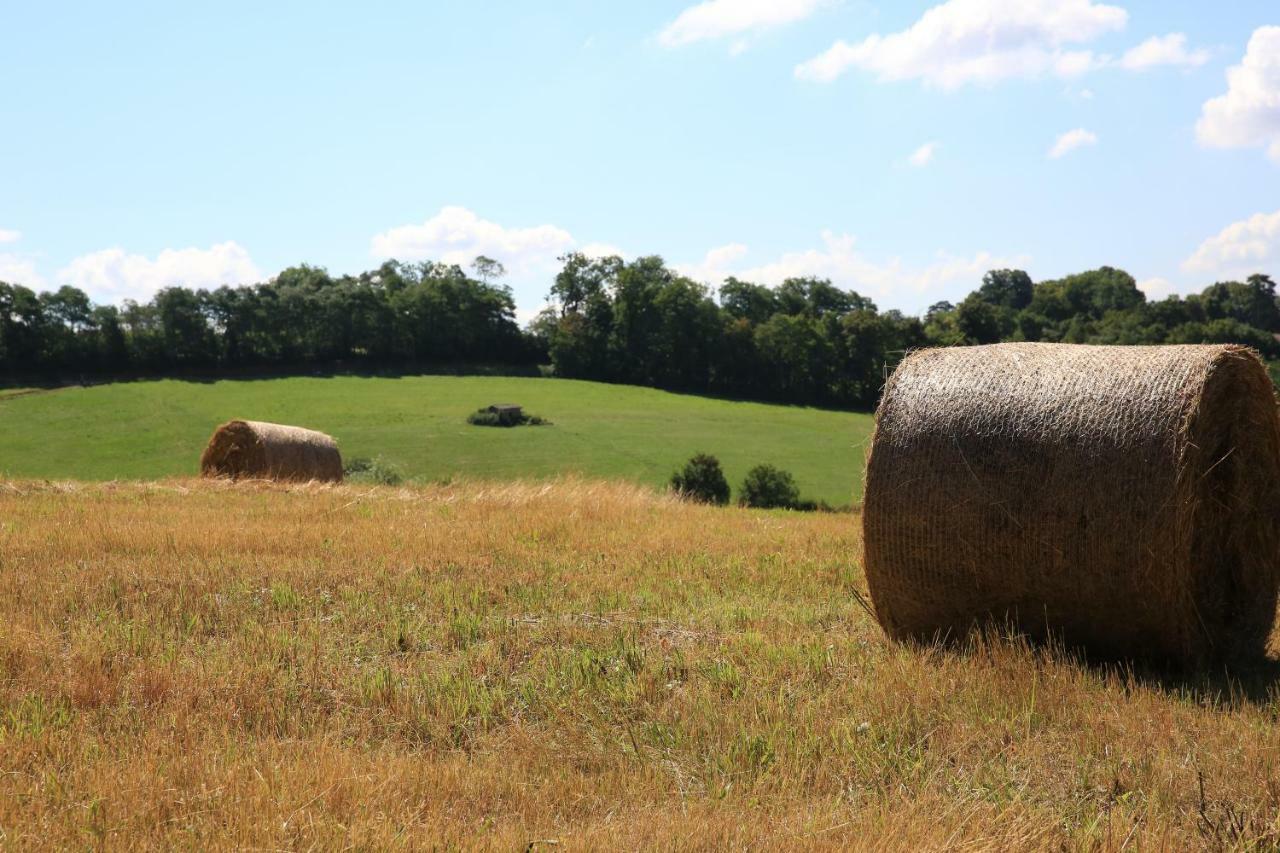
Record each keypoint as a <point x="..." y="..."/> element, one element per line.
<point x="258" y="450"/>
<point x="1122" y="499"/>
<point x="204" y="665"/>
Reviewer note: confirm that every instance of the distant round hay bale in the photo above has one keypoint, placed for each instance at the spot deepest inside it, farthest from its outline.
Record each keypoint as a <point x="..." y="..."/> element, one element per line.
<point x="258" y="450"/>
<point x="1121" y="499"/>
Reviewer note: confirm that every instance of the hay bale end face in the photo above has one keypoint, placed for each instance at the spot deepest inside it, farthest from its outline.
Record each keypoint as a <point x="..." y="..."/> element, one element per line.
<point x="258" y="450"/>
<point x="1124" y="500"/>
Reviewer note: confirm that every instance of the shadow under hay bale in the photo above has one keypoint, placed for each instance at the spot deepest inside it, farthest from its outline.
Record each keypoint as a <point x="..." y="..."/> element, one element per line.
<point x="258" y="450"/>
<point x="1124" y="500"/>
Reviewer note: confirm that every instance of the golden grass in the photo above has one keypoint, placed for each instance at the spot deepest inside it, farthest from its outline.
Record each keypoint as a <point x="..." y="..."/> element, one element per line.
<point x="203" y="665"/>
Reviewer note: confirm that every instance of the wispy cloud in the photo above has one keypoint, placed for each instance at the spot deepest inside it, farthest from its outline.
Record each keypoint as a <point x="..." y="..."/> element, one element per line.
<point x="1163" y="50"/>
<point x="1070" y="141"/>
<point x="839" y="259"/>
<point x="923" y="155"/>
<point x="977" y="41"/>
<point x="716" y="19"/>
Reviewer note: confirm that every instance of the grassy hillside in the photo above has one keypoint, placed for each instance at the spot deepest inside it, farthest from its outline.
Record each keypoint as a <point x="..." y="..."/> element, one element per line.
<point x="207" y="666"/>
<point x="418" y="424"/>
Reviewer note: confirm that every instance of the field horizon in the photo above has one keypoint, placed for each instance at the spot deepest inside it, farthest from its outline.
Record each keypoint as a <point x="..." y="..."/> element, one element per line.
<point x="417" y="424"/>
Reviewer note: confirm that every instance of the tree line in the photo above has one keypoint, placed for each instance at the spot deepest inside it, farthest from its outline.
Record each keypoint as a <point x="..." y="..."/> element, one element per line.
<point x="808" y="341"/>
<point x="640" y="322"/>
<point x="398" y="314"/>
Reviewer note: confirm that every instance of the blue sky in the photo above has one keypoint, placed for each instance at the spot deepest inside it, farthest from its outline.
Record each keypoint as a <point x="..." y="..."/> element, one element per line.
<point x="898" y="148"/>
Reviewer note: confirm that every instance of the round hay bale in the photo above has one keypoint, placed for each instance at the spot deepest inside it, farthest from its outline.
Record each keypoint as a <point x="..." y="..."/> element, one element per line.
<point x="258" y="450"/>
<point x="1123" y="500"/>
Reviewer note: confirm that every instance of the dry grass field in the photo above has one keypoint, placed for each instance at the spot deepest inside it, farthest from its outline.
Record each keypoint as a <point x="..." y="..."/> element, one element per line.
<point x="566" y="666"/>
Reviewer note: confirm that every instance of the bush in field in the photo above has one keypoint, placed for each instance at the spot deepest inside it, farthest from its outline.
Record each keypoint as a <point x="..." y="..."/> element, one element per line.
<point x="701" y="479"/>
<point x="487" y="417"/>
<point x="377" y="470"/>
<point x="767" y="487"/>
<point x="808" y="505"/>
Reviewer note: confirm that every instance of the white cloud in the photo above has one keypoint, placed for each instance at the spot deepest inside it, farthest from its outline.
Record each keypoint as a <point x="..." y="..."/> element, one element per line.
<point x="1248" y="114"/>
<point x="1074" y="63"/>
<point x="923" y="155"/>
<point x="897" y="284"/>
<point x="1070" y="141"/>
<point x="15" y="269"/>
<point x="112" y="275"/>
<point x="713" y="267"/>
<point x="1163" y="50"/>
<point x="978" y="41"/>
<point x="716" y="19"/>
<point x="455" y="235"/>
<point x="602" y="250"/>
<point x="1240" y="249"/>
<point x="724" y="255"/>
<point x="1156" y="288"/>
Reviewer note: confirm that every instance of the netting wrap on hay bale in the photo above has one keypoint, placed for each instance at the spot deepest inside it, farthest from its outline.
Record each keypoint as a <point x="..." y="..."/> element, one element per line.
<point x="1122" y="499"/>
<point x="259" y="450"/>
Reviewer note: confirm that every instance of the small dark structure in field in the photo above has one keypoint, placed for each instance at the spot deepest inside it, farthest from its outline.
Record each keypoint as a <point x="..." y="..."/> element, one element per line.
<point x="258" y="450"/>
<point x="1122" y="499"/>
<point x="503" y="415"/>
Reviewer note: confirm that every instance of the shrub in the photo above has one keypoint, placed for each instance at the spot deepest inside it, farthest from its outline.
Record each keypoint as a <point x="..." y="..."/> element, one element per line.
<point x="807" y="505"/>
<point x="378" y="470"/>
<point x="702" y="480"/>
<point x="358" y="465"/>
<point x="767" y="487"/>
<point x="484" y="417"/>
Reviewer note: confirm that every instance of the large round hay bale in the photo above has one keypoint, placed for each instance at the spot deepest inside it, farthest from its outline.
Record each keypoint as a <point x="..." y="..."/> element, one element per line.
<point x="258" y="450"/>
<point x="1120" y="499"/>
